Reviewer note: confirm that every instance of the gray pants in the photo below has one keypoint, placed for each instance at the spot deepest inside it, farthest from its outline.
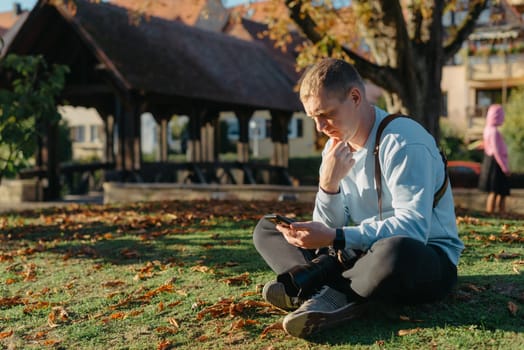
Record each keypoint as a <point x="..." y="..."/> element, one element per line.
<point x="398" y="269"/>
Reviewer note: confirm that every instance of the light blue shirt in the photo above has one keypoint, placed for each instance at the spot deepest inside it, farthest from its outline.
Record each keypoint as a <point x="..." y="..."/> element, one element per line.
<point x="412" y="171"/>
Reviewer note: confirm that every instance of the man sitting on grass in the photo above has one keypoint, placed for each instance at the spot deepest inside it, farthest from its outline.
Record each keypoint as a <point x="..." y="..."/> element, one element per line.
<point x="388" y="218"/>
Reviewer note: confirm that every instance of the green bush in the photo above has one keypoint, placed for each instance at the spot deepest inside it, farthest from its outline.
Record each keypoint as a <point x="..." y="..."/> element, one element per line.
<point x="27" y="106"/>
<point x="513" y="130"/>
<point x="453" y="144"/>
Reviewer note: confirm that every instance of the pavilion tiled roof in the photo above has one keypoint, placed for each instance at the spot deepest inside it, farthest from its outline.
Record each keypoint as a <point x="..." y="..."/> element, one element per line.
<point x="245" y="21"/>
<point x="168" y="58"/>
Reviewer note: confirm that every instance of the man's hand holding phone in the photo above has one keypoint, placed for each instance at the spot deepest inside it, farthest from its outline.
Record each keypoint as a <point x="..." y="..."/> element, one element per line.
<point x="307" y="234"/>
<point x="279" y="219"/>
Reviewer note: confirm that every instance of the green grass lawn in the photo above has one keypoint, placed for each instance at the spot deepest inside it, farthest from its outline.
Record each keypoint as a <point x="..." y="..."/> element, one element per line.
<point x="185" y="275"/>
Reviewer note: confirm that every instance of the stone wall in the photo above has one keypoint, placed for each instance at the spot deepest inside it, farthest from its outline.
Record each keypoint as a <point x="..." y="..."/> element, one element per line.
<point x="115" y="192"/>
<point x="18" y="191"/>
<point x="125" y="192"/>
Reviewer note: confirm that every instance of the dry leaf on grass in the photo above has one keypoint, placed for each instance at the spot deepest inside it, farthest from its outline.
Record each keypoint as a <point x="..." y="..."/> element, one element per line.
<point x="277" y="326"/>
<point x="12" y="301"/>
<point x="51" y="342"/>
<point x="403" y="332"/>
<point x="35" y="306"/>
<point x="202" y="338"/>
<point x="513" y="308"/>
<point x="238" y="280"/>
<point x="129" y="254"/>
<point x="145" y="297"/>
<point x="36" y="336"/>
<point x="7" y="334"/>
<point x="172" y="321"/>
<point x="164" y="345"/>
<point x="474" y="288"/>
<point x="114" y="283"/>
<point x="241" y="323"/>
<point x="57" y="316"/>
<point x="229" y="307"/>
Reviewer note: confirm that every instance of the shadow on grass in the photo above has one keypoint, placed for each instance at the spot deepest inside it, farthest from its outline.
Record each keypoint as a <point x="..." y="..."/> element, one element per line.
<point x="123" y="244"/>
<point x="478" y="302"/>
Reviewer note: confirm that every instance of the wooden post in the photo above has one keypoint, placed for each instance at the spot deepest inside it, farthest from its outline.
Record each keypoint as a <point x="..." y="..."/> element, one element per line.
<point x="129" y="157"/>
<point x="108" y="118"/>
<point x="243" y="117"/>
<point x="279" y="136"/>
<point x="109" y="128"/>
<point x="194" y="145"/>
<point x="120" y="124"/>
<point x="162" y="139"/>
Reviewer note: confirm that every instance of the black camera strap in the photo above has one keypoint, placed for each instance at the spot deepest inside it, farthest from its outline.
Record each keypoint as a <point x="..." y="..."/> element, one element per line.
<point x="378" y="172"/>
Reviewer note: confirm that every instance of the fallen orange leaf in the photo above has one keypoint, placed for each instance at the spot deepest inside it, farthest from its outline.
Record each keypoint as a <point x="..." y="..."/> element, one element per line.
<point x="16" y="300"/>
<point x="277" y="326"/>
<point x="114" y="283"/>
<point x="241" y="279"/>
<point x="513" y="308"/>
<point x="51" y="342"/>
<point x="5" y="334"/>
<point x="117" y="316"/>
<point x="35" y="306"/>
<point x="164" y="345"/>
<point x="57" y="315"/>
<point x="202" y="338"/>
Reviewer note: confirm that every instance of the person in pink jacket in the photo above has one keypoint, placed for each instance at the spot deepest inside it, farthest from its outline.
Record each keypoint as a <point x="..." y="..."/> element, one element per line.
<point x="495" y="170"/>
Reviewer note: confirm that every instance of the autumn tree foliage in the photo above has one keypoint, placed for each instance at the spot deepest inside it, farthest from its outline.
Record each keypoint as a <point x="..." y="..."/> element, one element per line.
<point x="400" y="46"/>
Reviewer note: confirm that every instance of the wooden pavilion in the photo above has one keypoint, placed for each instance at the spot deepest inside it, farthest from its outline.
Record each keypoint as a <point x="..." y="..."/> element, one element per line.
<point x="165" y="68"/>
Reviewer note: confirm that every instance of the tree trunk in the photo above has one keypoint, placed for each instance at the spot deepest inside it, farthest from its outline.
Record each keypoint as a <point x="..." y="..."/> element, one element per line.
<point x="407" y="46"/>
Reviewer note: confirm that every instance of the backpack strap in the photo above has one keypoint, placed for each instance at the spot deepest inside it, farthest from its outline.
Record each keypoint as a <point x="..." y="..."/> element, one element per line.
<point x="378" y="171"/>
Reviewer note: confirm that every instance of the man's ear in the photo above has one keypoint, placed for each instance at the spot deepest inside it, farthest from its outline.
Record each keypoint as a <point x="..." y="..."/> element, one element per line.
<point x="355" y="95"/>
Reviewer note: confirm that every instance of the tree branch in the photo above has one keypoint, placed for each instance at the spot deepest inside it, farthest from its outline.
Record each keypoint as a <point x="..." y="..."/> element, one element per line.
<point x="303" y="20"/>
<point x="380" y="75"/>
<point x="465" y="29"/>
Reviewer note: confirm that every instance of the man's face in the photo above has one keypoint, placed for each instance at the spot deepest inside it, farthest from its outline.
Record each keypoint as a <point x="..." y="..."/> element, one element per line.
<point x="334" y="116"/>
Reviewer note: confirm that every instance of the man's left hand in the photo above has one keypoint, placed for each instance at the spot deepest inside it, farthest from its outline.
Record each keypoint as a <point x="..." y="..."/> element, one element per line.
<point x="308" y="234"/>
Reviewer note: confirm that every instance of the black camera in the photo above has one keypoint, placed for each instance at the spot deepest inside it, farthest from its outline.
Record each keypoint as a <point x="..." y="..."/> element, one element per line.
<point x="304" y="280"/>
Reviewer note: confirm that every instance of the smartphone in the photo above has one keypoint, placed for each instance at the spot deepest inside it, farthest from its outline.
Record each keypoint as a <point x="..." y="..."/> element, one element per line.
<point x="279" y="219"/>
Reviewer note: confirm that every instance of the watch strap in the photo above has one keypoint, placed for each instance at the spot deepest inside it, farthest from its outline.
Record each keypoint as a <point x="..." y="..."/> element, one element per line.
<point x="340" y="240"/>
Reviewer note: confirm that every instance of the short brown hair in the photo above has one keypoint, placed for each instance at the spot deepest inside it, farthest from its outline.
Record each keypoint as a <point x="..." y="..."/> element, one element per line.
<point x="333" y="75"/>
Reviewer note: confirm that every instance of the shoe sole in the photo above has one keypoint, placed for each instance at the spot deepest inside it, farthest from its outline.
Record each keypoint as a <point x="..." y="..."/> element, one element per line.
<point x="309" y="322"/>
<point x="275" y="295"/>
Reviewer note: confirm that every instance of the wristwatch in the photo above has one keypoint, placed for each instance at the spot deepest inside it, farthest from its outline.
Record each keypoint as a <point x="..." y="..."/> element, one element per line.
<point x="339" y="242"/>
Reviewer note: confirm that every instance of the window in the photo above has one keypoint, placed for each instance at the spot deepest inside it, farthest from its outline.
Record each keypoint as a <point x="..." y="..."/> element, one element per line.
<point x="94" y="133"/>
<point x="78" y="133"/>
<point x="487" y="97"/>
<point x="296" y="128"/>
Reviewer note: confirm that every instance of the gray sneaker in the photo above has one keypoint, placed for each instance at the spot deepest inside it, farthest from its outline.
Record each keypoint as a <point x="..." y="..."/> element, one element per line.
<point x="275" y="294"/>
<point x="324" y="310"/>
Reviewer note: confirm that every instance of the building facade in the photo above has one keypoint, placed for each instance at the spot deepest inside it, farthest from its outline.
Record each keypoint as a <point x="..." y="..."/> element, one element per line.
<point x="487" y="69"/>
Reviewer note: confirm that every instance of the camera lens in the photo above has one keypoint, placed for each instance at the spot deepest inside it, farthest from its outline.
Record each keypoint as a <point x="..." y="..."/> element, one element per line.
<point x="304" y="280"/>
